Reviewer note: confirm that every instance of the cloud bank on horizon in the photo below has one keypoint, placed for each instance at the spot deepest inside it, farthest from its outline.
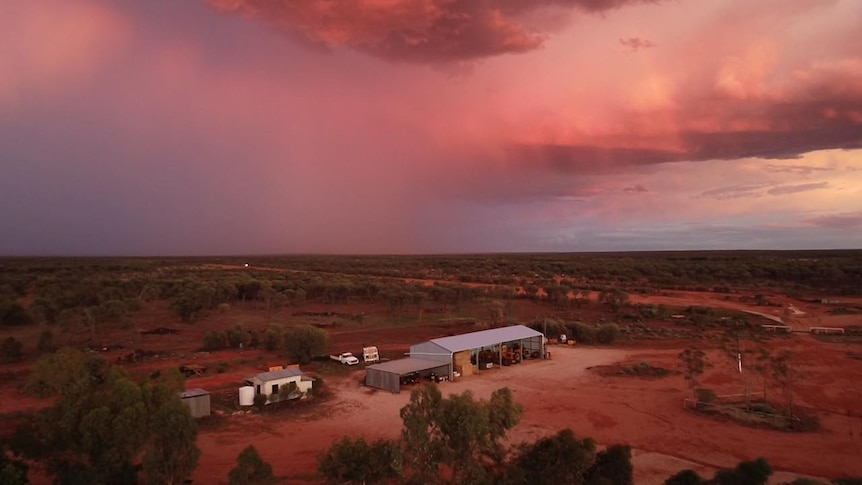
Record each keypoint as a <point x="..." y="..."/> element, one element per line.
<point x="380" y="126"/>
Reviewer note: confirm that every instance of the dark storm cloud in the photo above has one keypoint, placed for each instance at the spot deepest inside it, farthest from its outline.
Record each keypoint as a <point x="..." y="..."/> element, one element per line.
<point x="789" y="143"/>
<point x="637" y="189"/>
<point x="414" y="30"/>
<point x="586" y="158"/>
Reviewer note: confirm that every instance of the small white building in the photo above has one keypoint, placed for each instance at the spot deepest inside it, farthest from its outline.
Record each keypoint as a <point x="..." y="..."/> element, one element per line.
<point x="198" y="402"/>
<point x="271" y="383"/>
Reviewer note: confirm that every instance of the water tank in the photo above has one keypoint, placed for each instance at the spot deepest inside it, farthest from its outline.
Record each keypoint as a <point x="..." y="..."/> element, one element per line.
<point x="246" y="396"/>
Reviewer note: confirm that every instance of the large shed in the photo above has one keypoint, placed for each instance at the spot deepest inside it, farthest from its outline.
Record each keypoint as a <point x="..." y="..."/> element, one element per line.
<point x="198" y="401"/>
<point x="467" y="353"/>
<point x="388" y="375"/>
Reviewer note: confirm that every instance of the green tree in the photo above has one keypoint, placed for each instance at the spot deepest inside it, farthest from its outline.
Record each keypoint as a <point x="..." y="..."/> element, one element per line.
<point x="685" y="477"/>
<point x="349" y="461"/>
<point x="65" y="368"/>
<point x="423" y="449"/>
<point x="561" y="458"/>
<point x="755" y="472"/>
<point x="612" y="466"/>
<point x="103" y="423"/>
<point x="273" y="337"/>
<point x="193" y="299"/>
<point x="784" y="375"/>
<point x="12" y="313"/>
<point x="215" y="340"/>
<point x="251" y="469"/>
<point x="459" y="432"/>
<point x="172" y="454"/>
<point x="614" y="298"/>
<point x="304" y="342"/>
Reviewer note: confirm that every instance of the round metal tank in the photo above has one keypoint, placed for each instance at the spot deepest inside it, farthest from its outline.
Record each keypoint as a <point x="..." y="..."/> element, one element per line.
<point x="246" y="396"/>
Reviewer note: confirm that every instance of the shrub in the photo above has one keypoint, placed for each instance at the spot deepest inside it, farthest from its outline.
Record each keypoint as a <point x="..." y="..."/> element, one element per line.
<point x="685" y="477"/>
<point x="260" y="401"/>
<point x="11" y="350"/>
<point x="607" y="333"/>
<point x="238" y="336"/>
<point x="847" y="481"/>
<point x="251" y="469"/>
<point x="349" y="461"/>
<point x="304" y="342"/>
<point x="273" y="337"/>
<point x="705" y="395"/>
<point x="550" y="327"/>
<point x="12" y="313"/>
<point x="215" y="341"/>
<point x="582" y="333"/>
<point x="223" y="308"/>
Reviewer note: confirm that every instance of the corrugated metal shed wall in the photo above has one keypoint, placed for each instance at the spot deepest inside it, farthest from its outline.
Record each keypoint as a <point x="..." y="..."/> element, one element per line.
<point x="431" y="351"/>
<point x="382" y="379"/>
<point x="199" y="405"/>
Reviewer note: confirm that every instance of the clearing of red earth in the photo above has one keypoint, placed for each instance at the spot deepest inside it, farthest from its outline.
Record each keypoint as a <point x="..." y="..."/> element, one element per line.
<point x="645" y="413"/>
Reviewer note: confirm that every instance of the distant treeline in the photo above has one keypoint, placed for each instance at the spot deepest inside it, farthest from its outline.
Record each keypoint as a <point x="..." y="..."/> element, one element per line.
<point x="105" y="289"/>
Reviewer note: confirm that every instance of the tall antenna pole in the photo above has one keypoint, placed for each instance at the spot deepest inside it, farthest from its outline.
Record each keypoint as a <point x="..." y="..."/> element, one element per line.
<point x="739" y="366"/>
<point x="738" y="351"/>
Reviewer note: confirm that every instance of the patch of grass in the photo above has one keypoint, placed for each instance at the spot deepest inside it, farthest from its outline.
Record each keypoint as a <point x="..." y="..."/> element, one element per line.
<point x="762" y="414"/>
<point x="644" y="370"/>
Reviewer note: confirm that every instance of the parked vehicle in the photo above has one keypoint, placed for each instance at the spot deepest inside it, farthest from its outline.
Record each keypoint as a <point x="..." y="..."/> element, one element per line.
<point x="370" y="354"/>
<point x="345" y="358"/>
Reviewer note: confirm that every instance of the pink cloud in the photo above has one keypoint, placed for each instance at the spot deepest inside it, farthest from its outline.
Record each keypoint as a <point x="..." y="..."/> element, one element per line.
<point x="173" y="128"/>
<point x="414" y="31"/>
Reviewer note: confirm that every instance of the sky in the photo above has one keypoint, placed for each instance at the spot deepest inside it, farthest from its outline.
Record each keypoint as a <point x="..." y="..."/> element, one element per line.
<point x="204" y="127"/>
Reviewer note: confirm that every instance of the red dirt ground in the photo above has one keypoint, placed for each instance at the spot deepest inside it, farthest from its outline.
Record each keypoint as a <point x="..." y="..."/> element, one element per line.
<point x="644" y="413"/>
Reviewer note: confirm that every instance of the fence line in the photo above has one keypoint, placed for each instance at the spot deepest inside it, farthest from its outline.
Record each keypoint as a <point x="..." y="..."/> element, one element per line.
<point x="751" y="395"/>
<point x="826" y="330"/>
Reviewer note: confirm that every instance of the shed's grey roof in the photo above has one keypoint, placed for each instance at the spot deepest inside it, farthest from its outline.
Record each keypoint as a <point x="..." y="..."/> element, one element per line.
<point x="278" y="374"/>
<point x="466" y="341"/>
<point x="407" y="365"/>
<point x="193" y="393"/>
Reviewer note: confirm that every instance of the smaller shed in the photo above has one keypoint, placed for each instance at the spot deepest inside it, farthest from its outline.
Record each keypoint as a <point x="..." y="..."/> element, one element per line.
<point x="198" y="401"/>
<point x="270" y="384"/>
<point x="389" y="375"/>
